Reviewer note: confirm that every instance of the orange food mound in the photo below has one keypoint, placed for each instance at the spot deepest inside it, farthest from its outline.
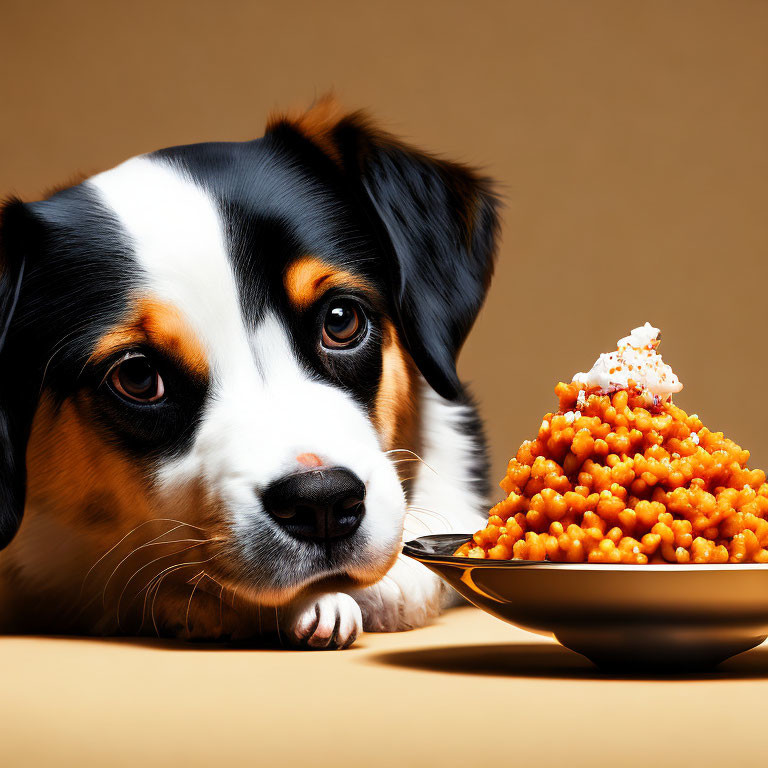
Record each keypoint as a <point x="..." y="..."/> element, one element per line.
<point x="626" y="478"/>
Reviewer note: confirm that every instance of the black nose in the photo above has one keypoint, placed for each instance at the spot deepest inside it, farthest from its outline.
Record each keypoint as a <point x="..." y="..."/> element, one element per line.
<point x="317" y="503"/>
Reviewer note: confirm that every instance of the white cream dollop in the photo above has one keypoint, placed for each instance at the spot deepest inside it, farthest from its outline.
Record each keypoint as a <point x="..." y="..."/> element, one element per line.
<point x="636" y="360"/>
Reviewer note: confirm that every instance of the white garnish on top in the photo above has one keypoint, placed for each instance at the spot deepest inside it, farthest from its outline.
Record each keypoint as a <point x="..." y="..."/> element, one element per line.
<point x="637" y="360"/>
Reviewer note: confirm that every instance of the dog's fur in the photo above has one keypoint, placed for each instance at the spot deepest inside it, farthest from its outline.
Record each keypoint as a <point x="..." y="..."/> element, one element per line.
<point x="218" y="261"/>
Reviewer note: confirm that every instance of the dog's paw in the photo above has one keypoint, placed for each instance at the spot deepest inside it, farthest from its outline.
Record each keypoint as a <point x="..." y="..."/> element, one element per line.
<point x="325" y="622"/>
<point x="409" y="596"/>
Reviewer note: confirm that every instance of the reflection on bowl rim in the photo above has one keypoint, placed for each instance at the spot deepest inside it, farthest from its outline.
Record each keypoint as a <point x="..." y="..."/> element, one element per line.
<point x="412" y="549"/>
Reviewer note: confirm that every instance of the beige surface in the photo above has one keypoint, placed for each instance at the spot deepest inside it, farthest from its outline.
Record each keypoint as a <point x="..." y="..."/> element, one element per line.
<point x="464" y="691"/>
<point x="630" y="139"/>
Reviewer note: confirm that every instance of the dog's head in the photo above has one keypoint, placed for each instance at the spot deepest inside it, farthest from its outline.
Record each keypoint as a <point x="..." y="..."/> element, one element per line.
<point x="231" y="335"/>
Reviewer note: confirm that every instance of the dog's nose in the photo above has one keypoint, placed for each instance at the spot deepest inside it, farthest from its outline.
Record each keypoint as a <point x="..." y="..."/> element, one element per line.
<point x="317" y="503"/>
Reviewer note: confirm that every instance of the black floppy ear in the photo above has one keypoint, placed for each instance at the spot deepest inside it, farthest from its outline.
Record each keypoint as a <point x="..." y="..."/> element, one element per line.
<point x="441" y="221"/>
<point x="438" y="220"/>
<point x="16" y="401"/>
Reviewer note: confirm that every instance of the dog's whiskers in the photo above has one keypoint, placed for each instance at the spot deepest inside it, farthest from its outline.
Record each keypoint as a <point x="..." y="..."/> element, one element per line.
<point x="411" y="563"/>
<point x="151" y="543"/>
<point x="412" y="453"/>
<point x="200" y="576"/>
<point x="205" y="575"/>
<point x="157" y="580"/>
<point x="132" y="531"/>
<point x="416" y="513"/>
<point x="420" y="522"/>
<point x="154" y="590"/>
<point x="151" y="562"/>
<point x="277" y="626"/>
<point x="442" y="518"/>
<point x="410" y="533"/>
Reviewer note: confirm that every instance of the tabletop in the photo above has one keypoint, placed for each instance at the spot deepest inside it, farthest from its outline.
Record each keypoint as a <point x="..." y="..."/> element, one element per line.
<point x="466" y="689"/>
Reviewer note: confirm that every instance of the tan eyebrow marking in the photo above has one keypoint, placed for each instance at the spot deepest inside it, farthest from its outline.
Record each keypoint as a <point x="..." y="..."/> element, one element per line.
<point x="307" y="278"/>
<point x="160" y="324"/>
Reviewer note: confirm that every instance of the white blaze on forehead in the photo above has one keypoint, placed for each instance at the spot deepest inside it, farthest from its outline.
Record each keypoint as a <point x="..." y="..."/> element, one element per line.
<point x="178" y="237"/>
<point x="264" y="408"/>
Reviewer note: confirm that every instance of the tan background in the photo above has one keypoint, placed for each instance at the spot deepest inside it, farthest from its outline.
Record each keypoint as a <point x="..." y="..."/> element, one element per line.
<point x="630" y="140"/>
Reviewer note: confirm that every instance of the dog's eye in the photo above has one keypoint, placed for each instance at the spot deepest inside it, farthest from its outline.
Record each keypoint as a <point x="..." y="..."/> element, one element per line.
<point x="137" y="379"/>
<point x="344" y="324"/>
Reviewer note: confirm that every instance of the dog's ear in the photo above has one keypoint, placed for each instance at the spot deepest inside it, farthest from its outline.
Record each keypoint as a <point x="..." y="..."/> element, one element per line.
<point x="438" y="220"/>
<point x="16" y="401"/>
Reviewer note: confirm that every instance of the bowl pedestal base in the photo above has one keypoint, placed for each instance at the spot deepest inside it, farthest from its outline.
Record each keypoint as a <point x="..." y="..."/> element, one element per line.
<point x="665" y="648"/>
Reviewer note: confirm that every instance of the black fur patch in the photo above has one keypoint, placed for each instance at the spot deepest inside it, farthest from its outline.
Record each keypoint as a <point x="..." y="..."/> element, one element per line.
<point x="435" y="225"/>
<point x="77" y="272"/>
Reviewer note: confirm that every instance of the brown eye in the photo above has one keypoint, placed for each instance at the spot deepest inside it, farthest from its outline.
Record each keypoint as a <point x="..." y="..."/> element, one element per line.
<point x="137" y="379"/>
<point x="344" y="324"/>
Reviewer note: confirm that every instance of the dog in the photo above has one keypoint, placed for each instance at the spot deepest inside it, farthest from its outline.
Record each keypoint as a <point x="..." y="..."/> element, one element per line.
<point x="228" y="387"/>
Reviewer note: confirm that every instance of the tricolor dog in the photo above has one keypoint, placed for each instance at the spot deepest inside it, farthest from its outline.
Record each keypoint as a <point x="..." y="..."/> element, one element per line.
<point x="228" y="387"/>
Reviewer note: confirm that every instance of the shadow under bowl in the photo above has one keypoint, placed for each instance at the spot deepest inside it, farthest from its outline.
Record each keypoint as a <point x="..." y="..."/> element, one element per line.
<point x="621" y="617"/>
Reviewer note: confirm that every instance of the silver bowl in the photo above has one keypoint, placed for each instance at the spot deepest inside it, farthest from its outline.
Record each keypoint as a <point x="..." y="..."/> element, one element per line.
<point x="654" y="617"/>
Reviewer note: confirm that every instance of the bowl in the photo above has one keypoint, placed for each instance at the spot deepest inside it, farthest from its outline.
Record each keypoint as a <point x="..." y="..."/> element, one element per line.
<point x="621" y="617"/>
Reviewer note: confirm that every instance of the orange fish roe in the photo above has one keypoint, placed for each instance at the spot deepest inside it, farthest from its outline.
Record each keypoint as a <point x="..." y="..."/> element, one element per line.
<point x="627" y="478"/>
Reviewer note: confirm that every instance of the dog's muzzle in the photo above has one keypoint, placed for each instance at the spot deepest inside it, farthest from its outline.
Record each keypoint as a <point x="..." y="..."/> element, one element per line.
<point x="317" y="504"/>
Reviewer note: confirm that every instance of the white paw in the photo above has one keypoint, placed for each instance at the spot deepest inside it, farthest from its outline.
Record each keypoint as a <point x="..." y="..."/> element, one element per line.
<point x="328" y="622"/>
<point x="409" y="596"/>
